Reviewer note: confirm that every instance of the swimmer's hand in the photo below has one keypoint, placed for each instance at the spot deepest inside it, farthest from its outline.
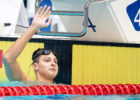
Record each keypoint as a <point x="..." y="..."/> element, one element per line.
<point x="41" y="17"/>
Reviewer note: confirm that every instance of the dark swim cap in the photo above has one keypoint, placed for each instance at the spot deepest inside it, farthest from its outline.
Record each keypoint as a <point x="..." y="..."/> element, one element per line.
<point x="39" y="52"/>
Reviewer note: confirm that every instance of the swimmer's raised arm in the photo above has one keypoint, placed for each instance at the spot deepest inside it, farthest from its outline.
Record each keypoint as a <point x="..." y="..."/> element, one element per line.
<point x="12" y="67"/>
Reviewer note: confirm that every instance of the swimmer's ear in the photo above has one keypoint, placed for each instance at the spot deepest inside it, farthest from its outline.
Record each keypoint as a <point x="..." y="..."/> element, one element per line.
<point x="35" y="66"/>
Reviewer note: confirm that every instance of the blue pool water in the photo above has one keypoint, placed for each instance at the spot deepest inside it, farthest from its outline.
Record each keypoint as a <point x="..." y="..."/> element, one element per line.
<point x="73" y="97"/>
<point x="25" y="83"/>
<point x="62" y="96"/>
<point x="12" y="83"/>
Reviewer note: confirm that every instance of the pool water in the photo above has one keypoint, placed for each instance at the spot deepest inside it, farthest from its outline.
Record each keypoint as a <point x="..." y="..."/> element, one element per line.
<point x="12" y="83"/>
<point x="61" y="96"/>
<point x="72" y="97"/>
<point x="24" y="83"/>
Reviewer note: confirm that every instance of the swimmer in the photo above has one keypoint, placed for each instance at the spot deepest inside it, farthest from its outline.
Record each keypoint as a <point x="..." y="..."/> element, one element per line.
<point x="44" y="61"/>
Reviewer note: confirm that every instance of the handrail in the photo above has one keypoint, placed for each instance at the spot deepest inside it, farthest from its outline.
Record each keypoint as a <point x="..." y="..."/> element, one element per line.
<point x="71" y="13"/>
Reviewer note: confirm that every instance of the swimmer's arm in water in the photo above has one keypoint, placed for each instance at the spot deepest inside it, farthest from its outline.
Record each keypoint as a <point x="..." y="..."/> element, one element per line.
<point x="12" y="67"/>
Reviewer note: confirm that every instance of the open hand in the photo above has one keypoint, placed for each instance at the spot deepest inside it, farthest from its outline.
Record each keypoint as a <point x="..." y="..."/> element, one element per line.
<point x="41" y="16"/>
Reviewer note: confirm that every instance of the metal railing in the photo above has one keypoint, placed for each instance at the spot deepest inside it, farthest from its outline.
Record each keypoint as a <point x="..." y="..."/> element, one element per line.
<point x="70" y="13"/>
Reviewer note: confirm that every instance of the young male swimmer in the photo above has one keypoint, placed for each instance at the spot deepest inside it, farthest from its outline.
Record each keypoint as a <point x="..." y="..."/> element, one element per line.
<point x="44" y="61"/>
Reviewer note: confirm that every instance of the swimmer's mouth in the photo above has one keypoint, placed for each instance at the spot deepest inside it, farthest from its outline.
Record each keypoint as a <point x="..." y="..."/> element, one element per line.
<point x="52" y="69"/>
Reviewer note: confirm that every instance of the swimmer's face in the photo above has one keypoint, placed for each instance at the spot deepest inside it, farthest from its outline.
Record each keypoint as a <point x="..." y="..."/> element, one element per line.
<point x="47" y="66"/>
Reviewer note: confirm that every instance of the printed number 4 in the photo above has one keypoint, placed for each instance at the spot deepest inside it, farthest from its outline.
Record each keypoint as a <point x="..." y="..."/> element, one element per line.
<point x="137" y="18"/>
